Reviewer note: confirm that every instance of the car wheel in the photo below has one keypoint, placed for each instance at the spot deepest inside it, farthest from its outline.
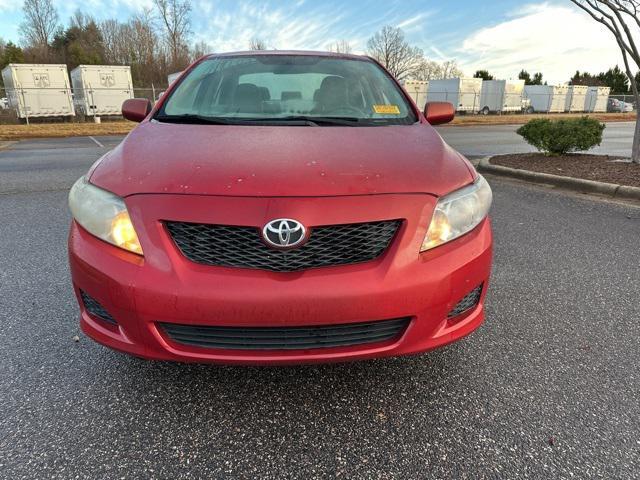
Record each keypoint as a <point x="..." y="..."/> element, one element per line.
<point x="485" y="111"/>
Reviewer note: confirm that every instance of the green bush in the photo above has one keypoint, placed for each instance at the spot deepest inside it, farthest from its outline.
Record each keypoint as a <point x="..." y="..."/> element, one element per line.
<point x="557" y="137"/>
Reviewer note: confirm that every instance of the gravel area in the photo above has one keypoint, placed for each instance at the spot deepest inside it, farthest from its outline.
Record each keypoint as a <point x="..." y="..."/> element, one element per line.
<point x="601" y="168"/>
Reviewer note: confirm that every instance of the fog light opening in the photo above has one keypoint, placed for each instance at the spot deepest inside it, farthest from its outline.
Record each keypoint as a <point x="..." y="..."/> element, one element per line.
<point x="96" y="310"/>
<point x="467" y="304"/>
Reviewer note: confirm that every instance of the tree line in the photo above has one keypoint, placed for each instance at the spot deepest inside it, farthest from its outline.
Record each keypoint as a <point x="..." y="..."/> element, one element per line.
<point x="154" y="42"/>
<point x="157" y="41"/>
<point x="613" y="78"/>
<point x="523" y="75"/>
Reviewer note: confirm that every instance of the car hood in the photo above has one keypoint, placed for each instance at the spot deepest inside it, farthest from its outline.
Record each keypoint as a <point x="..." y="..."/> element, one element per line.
<point x="281" y="161"/>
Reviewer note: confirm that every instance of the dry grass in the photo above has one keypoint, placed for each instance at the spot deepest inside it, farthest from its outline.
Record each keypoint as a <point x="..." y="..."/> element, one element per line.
<point x="56" y="130"/>
<point x="520" y="119"/>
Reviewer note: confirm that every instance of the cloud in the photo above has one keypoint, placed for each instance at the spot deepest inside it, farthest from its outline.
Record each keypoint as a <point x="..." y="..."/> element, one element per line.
<point x="555" y="40"/>
<point x="229" y="26"/>
<point x="100" y="9"/>
<point x="414" y="22"/>
<point x="10" y="5"/>
<point x="294" y="26"/>
<point x="441" y="56"/>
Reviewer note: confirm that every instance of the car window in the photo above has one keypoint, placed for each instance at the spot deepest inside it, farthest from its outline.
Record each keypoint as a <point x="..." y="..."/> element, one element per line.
<point x="283" y="86"/>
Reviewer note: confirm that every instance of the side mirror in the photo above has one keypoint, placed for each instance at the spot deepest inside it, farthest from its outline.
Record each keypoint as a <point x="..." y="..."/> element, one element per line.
<point x="136" y="109"/>
<point x="438" y="113"/>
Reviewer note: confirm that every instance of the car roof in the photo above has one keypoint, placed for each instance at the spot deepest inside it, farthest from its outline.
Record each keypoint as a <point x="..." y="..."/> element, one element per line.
<point x="250" y="53"/>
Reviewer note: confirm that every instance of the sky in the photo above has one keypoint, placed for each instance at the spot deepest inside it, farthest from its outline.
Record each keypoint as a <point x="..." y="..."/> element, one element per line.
<point x="502" y="36"/>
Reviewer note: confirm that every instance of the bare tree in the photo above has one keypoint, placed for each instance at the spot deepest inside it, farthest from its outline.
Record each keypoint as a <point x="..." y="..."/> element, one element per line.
<point x="200" y="49"/>
<point x="40" y="23"/>
<point x="149" y="58"/>
<point x="621" y="18"/>
<point x="139" y="43"/>
<point x="389" y="47"/>
<point x="257" y="44"/>
<point x="80" y="19"/>
<point x="431" y="70"/>
<point x="174" y="16"/>
<point x="427" y="70"/>
<point x="341" y="46"/>
<point x="450" y="69"/>
<point x="113" y="37"/>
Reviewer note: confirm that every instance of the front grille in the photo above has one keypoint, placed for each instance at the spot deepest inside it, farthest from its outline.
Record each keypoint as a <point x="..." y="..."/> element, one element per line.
<point x="96" y="309"/>
<point x="286" y="338"/>
<point x="469" y="301"/>
<point x="230" y="246"/>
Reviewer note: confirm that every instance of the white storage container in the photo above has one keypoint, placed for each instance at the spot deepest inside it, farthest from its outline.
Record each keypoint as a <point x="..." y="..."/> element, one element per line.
<point x="596" y="99"/>
<point x="101" y="89"/>
<point x="576" y="98"/>
<point x="463" y="93"/>
<point x="38" y="90"/>
<point x="417" y="90"/>
<point x="172" y="77"/>
<point x="547" y="98"/>
<point x="501" y="96"/>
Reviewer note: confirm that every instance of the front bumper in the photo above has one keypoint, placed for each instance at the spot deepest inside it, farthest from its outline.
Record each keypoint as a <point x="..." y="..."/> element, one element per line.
<point x="140" y="293"/>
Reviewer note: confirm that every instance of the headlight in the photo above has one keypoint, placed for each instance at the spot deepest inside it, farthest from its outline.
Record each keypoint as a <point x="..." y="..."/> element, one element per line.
<point x="458" y="213"/>
<point x="103" y="214"/>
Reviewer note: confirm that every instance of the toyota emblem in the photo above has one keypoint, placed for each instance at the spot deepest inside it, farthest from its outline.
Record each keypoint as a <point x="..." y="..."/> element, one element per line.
<point x="284" y="233"/>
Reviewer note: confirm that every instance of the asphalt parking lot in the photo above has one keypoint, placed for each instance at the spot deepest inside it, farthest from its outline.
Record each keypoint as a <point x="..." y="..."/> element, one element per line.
<point x="549" y="387"/>
<point x="501" y="139"/>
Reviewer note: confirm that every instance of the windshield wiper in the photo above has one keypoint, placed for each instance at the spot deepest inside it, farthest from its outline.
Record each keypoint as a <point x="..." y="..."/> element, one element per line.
<point x="309" y="120"/>
<point x="302" y="121"/>
<point x="195" y="119"/>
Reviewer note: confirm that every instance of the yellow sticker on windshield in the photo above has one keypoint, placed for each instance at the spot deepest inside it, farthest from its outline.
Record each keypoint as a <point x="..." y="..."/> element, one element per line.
<point x="388" y="109"/>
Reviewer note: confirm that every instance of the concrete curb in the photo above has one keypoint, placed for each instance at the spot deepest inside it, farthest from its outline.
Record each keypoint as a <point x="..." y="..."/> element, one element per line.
<point x="570" y="183"/>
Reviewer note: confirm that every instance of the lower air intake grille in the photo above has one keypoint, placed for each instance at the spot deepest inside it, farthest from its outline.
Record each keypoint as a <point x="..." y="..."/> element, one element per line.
<point x="469" y="301"/>
<point x="96" y="309"/>
<point x="231" y="246"/>
<point x="286" y="338"/>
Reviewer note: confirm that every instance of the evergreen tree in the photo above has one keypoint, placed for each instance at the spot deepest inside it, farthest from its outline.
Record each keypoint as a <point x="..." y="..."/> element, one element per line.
<point x="11" y="53"/>
<point x="524" y="75"/>
<point x="483" y="74"/>
<point x="616" y="79"/>
<point x="537" y="79"/>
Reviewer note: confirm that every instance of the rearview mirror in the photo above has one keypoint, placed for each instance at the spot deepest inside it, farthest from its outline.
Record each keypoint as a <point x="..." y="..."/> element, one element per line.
<point x="136" y="109"/>
<point x="438" y="113"/>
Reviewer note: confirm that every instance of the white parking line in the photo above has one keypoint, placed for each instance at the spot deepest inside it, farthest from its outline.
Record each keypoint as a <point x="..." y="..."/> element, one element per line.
<point x="97" y="142"/>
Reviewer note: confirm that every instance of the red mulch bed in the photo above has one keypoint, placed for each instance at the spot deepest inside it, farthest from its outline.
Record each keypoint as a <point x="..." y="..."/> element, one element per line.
<point x="601" y="168"/>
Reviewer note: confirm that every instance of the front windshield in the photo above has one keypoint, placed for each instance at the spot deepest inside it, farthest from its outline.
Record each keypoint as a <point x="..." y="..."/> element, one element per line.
<point x="288" y="87"/>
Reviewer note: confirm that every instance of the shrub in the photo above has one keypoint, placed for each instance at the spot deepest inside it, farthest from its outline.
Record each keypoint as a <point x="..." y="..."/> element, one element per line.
<point x="557" y="137"/>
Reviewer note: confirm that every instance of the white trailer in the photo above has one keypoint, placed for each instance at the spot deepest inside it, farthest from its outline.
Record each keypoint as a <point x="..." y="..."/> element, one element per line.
<point x="101" y="89"/>
<point x="172" y="77"/>
<point x="463" y="93"/>
<point x="576" y="97"/>
<point x="597" y="99"/>
<point x="38" y="90"/>
<point x="547" y="98"/>
<point x="417" y="90"/>
<point x="501" y="96"/>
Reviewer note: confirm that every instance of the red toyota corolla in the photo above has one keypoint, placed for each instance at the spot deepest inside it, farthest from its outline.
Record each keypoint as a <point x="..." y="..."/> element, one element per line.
<point x="281" y="207"/>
